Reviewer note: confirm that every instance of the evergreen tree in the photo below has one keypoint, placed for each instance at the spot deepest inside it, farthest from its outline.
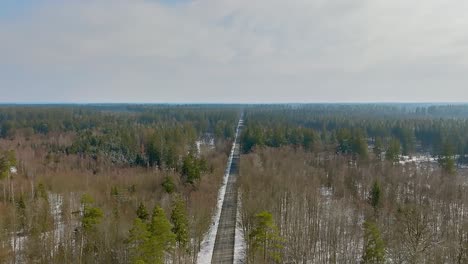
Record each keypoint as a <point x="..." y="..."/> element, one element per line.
<point x="378" y="148"/>
<point x="153" y="151"/>
<point x="168" y="184"/>
<point x="138" y="241"/>
<point x="344" y="141"/>
<point x="161" y="230"/>
<point x="148" y="243"/>
<point x="308" y="139"/>
<point x="7" y="160"/>
<point x="265" y="237"/>
<point x="6" y="129"/>
<point x="393" y="150"/>
<point x="191" y="169"/>
<point x="91" y="216"/>
<point x="375" y="195"/>
<point x="374" y="247"/>
<point x="446" y="159"/>
<point x="359" y="146"/>
<point x="142" y="213"/>
<point x="21" y="209"/>
<point x="180" y="223"/>
<point x="3" y="167"/>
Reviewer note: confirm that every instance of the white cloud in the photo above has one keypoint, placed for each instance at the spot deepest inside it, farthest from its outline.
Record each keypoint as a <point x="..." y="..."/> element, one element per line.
<point x="267" y="50"/>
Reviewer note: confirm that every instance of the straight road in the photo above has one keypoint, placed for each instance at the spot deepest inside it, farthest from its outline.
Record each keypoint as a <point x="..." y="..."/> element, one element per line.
<point x="223" y="252"/>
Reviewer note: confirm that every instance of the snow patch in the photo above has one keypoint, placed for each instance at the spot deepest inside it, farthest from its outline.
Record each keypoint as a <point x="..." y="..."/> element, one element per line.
<point x="205" y="140"/>
<point x="239" y="242"/>
<point x="417" y="159"/>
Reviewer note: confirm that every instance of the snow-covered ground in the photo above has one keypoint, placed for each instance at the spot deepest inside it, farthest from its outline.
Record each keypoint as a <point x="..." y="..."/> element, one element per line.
<point x="417" y="159"/>
<point x="58" y="232"/>
<point x="206" y="140"/>
<point x="18" y="242"/>
<point x="239" y="243"/>
<point x="207" y="245"/>
<point x="56" y="204"/>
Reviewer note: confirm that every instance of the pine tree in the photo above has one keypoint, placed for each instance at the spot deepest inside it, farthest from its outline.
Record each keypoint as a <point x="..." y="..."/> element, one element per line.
<point x="148" y="243"/>
<point x="375" y="195"/>
<point x="91" y="216"/>
<point x="309" y="139"/>
<point x="138" y="241"/>
<point x="180" y="223"/>
<point x="359" y="146"/>
<point x="265" y="237"/>
<point x="344" y="141"/>
<point x="191" y="169"/>
<point x="446" y="159"/>
<point x="374" y="248"/>
<point x="393" y="150"/>
<point x="4" y="167"/>
<point x="161" y="230"/>
<point x="21" y="208"/>
<point x="154" y="150"/>
<point x="168" y="185"/>
<point x="378" y="148"/>
<point x="142" y="213"/>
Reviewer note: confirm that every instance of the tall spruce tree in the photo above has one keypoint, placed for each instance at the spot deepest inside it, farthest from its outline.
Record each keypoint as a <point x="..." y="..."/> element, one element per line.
<point x="374" y="247"/>
<point x="180" y="223"/>
<point x="375" y="195"/>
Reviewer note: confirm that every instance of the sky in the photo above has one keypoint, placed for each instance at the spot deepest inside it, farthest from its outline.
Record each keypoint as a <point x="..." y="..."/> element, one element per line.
<point x="233" y="51"/>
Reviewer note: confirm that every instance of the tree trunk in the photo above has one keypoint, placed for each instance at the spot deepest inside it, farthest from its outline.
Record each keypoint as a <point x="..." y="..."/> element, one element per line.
<point x="12" y="196"/>
<point x="81" y="247"/>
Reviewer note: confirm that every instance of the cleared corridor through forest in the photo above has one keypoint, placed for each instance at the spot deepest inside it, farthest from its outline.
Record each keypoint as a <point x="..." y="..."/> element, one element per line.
<point x="223" y="252"/>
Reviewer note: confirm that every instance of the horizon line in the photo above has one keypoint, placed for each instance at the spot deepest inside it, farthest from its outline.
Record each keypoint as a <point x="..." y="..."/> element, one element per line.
<point x="231" y="103"/>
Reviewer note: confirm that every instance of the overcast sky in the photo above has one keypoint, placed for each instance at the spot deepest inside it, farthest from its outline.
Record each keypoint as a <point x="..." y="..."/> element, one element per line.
<point x="233" y="51"/>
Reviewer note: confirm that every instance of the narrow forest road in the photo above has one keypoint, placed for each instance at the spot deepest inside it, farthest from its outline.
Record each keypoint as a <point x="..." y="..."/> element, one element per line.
<point x="223" y="251"/>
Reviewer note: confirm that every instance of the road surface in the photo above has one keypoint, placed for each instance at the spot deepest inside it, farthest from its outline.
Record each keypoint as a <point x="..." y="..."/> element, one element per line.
<point x="223" y="252"/>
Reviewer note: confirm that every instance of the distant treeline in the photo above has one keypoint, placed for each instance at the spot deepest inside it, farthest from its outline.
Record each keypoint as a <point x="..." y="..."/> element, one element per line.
<point x="139" y="135"/>
<point x="147" y="134"/>
<point x="435" y="129"/>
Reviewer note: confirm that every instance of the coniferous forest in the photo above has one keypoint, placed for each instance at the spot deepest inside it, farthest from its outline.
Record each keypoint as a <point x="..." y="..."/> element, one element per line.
<point x="318" y="183"/>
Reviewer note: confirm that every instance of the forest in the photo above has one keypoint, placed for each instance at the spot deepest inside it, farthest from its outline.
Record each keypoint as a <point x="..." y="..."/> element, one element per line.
<point x="109" y="183"/>
<point x="355" y="183"/>
<point x="318" y="183"/>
